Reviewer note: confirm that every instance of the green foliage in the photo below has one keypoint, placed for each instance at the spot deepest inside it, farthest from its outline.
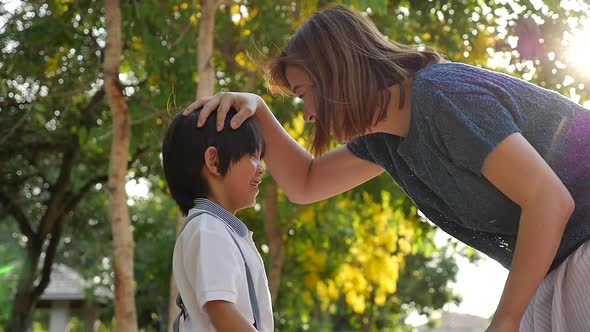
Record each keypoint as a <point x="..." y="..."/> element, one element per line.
<point x="51" y="103"/>
<point x="8" y="280"/>
<point x="154" y="232"/>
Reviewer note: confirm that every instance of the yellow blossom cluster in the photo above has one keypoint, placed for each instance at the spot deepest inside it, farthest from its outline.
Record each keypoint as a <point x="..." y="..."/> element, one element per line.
<point x="375" y="257"/>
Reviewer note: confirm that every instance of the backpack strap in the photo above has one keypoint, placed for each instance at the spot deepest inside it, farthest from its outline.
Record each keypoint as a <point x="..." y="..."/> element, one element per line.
<point x="251" y="290"/>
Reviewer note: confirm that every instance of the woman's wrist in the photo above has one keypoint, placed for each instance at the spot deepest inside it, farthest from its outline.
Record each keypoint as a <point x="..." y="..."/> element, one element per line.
<point x="262" y="111"/>
<point x="260" y="105"/>
<point x="507" y="319"/>
<point x="503" y="325"/>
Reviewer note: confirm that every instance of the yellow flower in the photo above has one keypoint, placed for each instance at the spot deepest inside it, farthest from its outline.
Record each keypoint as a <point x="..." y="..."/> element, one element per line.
<point x="404" y="245"/>
<point x="311" y="280"/>
<point x="380" y="298"/>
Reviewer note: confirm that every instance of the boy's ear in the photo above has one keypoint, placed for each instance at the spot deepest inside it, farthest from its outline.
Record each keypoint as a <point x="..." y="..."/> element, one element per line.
<point x="211" y="161"/>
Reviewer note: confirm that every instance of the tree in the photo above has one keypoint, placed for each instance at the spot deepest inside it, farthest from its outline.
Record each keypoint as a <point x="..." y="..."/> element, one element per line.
<point x="54" y="134"/>
<point x="43" y="176"/>
<point x="125" y="311"/>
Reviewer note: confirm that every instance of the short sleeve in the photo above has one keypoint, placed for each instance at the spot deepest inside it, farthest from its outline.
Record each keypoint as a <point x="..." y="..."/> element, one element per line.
<point x="466" y="126"/>
<point x="212" y="262"/>
<point x="358" y="147"/>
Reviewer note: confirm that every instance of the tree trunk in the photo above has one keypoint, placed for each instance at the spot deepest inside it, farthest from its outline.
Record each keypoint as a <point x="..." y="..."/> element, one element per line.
<point x="28" y="292"/>
<point x="23" y="305"/>
<point x="206" y="65"/>
<point x="173" y="310"/>
<point x="125" y="311"/>
<point x="34" y="277"/>
<point x="274" y="236"/>
<point x="205" y="87"/>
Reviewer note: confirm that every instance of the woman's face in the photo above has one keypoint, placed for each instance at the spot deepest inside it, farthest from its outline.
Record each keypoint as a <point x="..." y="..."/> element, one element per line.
<point x="301" y="85"/>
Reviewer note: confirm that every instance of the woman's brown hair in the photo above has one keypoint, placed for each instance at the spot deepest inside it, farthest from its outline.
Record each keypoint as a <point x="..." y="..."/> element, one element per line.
<point x="350" y="64"/>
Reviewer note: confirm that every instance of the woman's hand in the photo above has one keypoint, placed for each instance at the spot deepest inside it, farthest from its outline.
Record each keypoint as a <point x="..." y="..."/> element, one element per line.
<point x="246" y="104"/>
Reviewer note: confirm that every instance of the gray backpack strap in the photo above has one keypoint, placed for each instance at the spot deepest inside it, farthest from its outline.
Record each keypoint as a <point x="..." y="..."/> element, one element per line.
<point x="251" y="290"/>
<point x="180" y="304"/>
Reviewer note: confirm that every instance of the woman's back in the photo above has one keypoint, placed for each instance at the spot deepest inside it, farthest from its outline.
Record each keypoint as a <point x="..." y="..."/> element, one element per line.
<point x="459" y="114"/>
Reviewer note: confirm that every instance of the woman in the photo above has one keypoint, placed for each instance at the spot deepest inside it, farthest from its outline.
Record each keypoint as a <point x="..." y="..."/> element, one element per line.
<point x="500" y="164"/>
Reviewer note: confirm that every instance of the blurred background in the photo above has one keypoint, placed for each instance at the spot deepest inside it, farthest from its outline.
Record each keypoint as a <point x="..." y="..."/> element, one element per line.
<point x="86" y="225"/>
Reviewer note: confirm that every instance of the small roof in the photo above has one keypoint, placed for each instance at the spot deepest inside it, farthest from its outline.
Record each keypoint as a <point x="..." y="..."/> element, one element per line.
<point x="66" y="284"/>
<point x="456" y="322"/>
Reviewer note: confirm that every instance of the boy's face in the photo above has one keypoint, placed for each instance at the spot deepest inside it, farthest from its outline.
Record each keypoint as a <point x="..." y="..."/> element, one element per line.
<point x="240" y="184"/>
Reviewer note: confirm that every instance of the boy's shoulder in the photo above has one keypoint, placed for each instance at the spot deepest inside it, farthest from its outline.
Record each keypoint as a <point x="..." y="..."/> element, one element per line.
<point x="203" y="221"/>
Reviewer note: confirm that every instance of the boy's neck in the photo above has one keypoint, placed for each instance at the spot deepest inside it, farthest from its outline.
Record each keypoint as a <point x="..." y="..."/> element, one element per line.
<point x="224" y="205"/>
<point x="217" y="210"/>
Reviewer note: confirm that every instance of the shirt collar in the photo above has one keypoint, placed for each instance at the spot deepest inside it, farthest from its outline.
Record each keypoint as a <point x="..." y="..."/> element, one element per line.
<point x="232" y="221"/>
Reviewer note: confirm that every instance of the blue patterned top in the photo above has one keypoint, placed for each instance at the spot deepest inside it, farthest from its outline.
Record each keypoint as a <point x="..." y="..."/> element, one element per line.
<point x="459" y="114"/>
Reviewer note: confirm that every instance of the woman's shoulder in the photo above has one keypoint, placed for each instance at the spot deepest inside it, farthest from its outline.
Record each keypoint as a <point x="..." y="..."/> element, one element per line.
<point x="433" y="78"/>
<point x="436" y="71"/>
<point x="449" y="73"/>
<point x="455" y="79"/>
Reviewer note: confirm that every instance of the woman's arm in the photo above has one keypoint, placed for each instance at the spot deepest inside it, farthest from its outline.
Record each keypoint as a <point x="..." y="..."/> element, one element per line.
<point x="517" y="170"/>
<point x="226" y="317"/>
<point x="304" y="179"/>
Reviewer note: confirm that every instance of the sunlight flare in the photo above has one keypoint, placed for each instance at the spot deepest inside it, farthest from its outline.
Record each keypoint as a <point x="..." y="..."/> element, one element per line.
<point x="577" y="54"/>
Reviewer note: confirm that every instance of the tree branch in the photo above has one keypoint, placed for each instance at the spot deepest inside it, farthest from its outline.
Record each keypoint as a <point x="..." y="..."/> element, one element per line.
<point x="54" y="205"/>
<point x="74" y="199"/>
<point x="10" y="132"/>
<point x="91" y="107"/>
<point x="139" y="152"/>
<point x="147" y="105"/>
<point x="19" y="215"/>
<point x="32" y="147"/>
<point x="49" y="258"/>
<point x="183" y="32"/>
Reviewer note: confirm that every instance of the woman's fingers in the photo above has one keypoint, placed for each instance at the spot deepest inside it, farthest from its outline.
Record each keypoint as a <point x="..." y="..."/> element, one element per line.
<point x="224" y="105"/>
<point x="243" y="114"/>
<point x="208" y="108"/>
<point x="222" y="102"/>
<point x="195" y="105"/>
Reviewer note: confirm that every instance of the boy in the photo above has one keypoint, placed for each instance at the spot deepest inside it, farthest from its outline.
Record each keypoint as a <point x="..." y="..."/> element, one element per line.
<point x="218" y="270"/>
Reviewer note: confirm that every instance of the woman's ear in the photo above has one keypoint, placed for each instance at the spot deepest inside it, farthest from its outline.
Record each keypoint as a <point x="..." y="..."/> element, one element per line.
<point x="211" y="161"/>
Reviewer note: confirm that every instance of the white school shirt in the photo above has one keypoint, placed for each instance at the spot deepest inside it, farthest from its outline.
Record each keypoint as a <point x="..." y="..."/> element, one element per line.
<point x="208" y="266"/>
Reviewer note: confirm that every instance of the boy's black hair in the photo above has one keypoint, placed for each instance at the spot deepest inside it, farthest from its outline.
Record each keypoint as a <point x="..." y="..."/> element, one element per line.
<point x="184" y="148"/>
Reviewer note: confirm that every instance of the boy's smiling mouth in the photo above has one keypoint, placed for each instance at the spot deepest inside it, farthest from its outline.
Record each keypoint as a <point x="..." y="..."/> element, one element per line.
<point x="256" y="183"/>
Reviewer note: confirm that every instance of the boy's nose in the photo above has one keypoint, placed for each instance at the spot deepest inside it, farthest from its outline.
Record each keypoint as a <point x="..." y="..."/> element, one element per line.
<point x="309" y="118"/>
